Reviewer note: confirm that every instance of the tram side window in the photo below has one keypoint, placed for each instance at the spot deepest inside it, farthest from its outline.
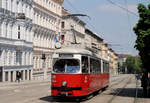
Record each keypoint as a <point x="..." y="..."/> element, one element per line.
<point x="99" y="66"/>
<point x="91" y="65"/>
<point x="106" y="67"/>
<point x="85" y="68"/>
<point x="95" y="66"/>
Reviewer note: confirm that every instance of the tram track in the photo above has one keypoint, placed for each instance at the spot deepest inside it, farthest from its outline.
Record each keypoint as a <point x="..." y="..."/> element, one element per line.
<point x="118" y="92"/>
<point x="117" y="82"/>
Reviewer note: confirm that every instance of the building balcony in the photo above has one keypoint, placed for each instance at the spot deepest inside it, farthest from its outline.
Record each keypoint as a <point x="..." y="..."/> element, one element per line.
<point x="18" y="67"/>
<point x="6" y="14"/>
<point x="15" y="42"/>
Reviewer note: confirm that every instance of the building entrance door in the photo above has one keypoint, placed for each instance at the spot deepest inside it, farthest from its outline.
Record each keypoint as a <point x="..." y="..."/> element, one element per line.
<point x="1" y="70"/>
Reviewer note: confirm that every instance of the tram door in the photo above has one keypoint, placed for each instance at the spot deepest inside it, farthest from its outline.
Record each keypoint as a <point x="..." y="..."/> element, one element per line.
<point x="1" y="74"/>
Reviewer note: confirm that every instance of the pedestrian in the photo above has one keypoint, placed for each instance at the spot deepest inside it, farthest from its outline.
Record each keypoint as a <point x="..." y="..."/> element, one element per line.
<point x="18" y="77"/>
<point x="144" y="83"/>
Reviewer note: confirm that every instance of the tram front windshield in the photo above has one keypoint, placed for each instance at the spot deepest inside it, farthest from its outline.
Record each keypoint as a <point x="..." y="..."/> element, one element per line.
<point x="66" y="66"/>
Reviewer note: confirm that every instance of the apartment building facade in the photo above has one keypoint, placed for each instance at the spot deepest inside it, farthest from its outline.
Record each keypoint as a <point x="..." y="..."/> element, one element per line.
<point x="46" y="27"/>
<point x="16" y="45"/>
<point x="113" y="62"/>
<point x="73" y="29"/>
<point x="93" y="42"/>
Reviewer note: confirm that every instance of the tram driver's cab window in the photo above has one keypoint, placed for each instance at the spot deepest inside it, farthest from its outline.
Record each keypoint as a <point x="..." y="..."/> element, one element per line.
<point x="85" y="68"/>
<point x="66" y="66"/>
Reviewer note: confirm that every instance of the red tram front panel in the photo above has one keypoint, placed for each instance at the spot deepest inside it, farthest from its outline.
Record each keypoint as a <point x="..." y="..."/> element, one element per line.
<point x="78" y="84"/>
<point x="71" y="88"/>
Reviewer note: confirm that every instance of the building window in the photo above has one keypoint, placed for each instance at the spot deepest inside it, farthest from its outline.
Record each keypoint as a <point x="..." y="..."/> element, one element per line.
<point x="63" y="24"/>
<point x="18" y="34"/>
<point x="18" y="27"/>
<point x="6" y="30"/>
<point x="18" y="58"/>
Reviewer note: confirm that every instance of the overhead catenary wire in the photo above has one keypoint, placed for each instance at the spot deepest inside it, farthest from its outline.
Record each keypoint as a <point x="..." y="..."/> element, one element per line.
<point x="72" y="6"/>
<point x="128" y="17"/>
<point x="88" y="23"/>
<point x="123" y="8"/>
<point x="127" y="12"/>
<point x="115" y="4"/>
<point x="76" y="10"/>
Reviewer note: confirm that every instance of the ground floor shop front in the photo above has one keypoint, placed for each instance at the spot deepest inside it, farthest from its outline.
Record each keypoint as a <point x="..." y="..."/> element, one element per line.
<point x="9" y="74"/>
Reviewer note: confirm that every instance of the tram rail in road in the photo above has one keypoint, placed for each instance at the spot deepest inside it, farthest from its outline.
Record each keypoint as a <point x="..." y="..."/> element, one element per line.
<point x="118" y="92"/>
<point x="116" y="89"/>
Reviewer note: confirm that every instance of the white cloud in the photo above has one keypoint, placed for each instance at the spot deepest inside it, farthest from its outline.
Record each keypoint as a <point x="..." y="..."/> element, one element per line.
<point x="113" y="8"/>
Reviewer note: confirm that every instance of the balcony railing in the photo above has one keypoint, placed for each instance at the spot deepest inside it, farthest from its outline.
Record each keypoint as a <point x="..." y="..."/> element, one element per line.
<point x="15" y="42"/>
<point x="8" y="14"/>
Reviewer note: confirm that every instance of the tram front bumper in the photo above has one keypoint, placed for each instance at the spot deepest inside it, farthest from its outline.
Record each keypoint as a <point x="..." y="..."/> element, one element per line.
<point x="66" y="91"/>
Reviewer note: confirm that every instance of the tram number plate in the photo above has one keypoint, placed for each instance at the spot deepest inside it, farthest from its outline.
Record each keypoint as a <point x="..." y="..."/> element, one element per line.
<point x="64" y="93"/>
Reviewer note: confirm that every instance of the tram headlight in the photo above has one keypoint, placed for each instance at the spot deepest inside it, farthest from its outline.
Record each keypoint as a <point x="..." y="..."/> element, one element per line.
<point x="64" y="83"/>
<point x="53" y="78"/>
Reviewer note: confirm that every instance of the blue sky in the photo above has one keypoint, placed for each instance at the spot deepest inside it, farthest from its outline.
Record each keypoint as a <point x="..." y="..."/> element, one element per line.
<point x="110" y="22"/>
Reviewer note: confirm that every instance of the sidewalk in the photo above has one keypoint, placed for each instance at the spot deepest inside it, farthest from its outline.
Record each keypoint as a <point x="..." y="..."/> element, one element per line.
<point x="3" y="84"/>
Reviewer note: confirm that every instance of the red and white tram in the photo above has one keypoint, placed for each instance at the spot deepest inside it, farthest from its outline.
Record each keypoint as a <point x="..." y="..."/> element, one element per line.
<point x="78" y="72"/>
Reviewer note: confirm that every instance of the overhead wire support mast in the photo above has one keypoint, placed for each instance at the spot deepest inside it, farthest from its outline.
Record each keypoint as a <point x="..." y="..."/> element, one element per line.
<point x="75" y="15"/>
<point x="122" y="7"/>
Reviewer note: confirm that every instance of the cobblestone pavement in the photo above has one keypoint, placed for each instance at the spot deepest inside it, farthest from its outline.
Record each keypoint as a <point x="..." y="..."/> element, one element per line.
<point x="121" y="90"/>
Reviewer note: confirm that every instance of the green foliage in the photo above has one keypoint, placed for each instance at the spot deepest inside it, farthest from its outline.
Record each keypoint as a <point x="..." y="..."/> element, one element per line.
<point x="119" y="65"/>
<point x="130" y="63"/>
<point x="142" y="30"/>
<point x="138" y="64"/>
<point x="133" y="64"/>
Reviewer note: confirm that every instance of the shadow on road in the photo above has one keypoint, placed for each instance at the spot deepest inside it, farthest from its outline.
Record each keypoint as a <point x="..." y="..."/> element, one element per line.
<point x="59" y="99"/>
<point x="128" y="92"/>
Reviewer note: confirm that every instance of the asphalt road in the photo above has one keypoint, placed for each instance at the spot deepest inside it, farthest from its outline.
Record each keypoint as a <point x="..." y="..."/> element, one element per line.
<point x="121" y="90"/>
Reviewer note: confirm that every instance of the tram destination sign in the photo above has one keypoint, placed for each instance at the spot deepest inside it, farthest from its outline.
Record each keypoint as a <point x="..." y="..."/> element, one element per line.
<point x="65" y="55"/>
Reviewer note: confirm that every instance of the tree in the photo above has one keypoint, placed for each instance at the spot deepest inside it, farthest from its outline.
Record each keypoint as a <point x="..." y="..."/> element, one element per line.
<point x="130" y="64"/>
<point x="138" y="64"/>
<point x="142" y="31"/>
<point x="133" y="65"/>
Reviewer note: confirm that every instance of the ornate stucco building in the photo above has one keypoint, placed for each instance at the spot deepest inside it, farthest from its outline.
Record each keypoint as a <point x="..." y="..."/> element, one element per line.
<point x="46" y="27"/>
<point x="73" y="29"/>
<point x="94" y="42"/>
<point x="16" y="45"/>
<point x="113" y="64"/>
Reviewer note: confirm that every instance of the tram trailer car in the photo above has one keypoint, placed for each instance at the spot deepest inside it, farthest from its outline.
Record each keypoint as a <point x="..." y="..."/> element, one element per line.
<point x="78" y="72"/>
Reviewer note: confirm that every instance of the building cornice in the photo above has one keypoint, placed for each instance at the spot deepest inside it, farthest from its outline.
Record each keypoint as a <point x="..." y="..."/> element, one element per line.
<point x="15" y="43"/>
<point x="43" y="48"/>
<point x="37" y="28"/>
<point x="39" y="11"/>
<point x="8" y="16"/>
<point x="59" y="1"/>
<point x="45" y="9"/>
